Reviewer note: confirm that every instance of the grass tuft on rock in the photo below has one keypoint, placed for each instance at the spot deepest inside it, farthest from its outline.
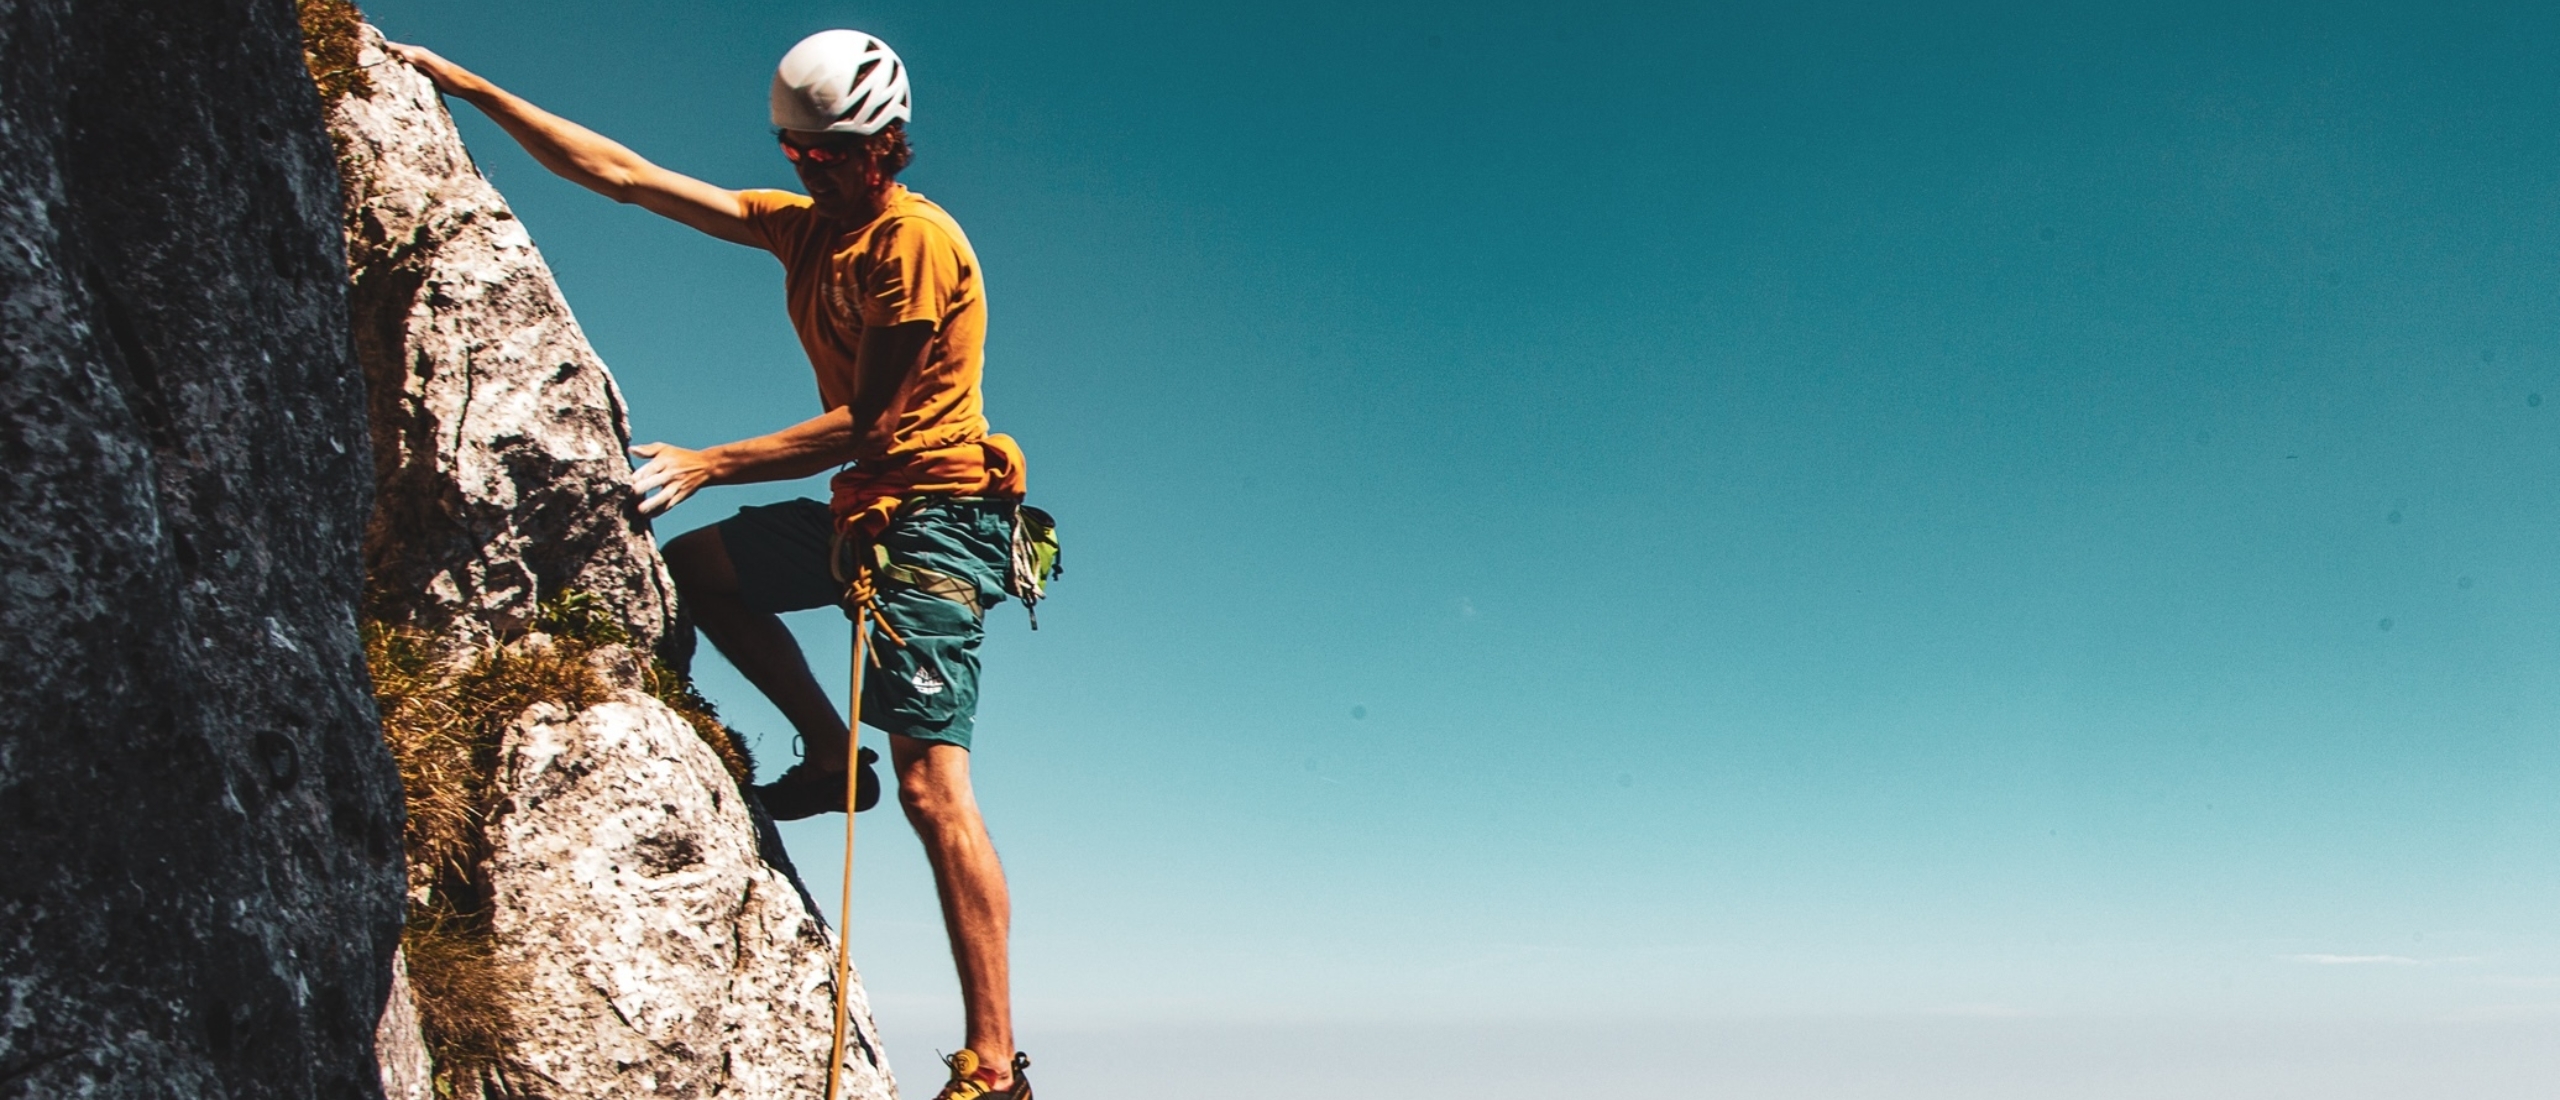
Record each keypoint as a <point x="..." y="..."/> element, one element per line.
<point x="577" y="616"/>
<point x="445" y="723"/>
<point x="465" y="995"/>
<point x="331" y="30"/>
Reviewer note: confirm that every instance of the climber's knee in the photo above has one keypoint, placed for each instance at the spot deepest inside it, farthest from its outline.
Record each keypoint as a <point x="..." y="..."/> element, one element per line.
<point x="928" y="804"/>
<point x="933" y="782"/>
<point x="921" y="807"/>
<point x="700" y="564"/>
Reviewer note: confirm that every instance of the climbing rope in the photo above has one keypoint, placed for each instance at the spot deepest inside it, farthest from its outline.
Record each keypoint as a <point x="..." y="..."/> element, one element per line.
<point x="844" y="908"/>
<point x="863" y="601"/>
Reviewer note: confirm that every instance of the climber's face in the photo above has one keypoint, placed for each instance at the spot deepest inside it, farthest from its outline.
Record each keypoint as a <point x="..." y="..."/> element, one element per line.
<point x="842" y="177"/>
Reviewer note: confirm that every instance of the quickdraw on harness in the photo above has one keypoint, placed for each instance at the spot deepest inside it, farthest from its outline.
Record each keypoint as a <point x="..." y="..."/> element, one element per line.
<point x="1036" y="559"/>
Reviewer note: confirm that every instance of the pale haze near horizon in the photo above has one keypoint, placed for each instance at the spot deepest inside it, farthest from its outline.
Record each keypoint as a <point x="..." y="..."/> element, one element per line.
<point x="1809" y="551"/>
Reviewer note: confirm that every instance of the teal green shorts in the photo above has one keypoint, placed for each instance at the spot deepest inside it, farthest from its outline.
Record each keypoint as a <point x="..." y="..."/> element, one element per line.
<point x="927" y="688"/>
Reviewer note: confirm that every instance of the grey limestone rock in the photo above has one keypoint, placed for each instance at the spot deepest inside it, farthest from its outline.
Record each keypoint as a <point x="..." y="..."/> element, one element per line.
<point x="408" y="1073"/>
<point x="665" y="957"/>
<point x="662" y="954"/>
<point x="200" y="865"/>
<point x="498" y="435"/>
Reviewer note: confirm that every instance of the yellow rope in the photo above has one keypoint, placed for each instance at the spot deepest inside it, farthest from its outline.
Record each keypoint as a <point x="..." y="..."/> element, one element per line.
<point x="864" y="599"/>
<point x="852" y="790"/>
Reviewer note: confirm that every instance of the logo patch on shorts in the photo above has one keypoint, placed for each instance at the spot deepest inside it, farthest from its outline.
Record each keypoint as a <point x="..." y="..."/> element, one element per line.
<point x="926" y="682"/>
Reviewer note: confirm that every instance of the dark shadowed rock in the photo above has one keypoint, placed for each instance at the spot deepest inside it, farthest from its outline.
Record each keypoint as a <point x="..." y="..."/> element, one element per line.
<point x="201" y="874"/>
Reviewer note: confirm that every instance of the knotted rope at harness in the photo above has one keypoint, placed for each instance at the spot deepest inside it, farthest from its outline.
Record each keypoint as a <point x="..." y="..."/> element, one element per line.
<point x="861" y="604"/>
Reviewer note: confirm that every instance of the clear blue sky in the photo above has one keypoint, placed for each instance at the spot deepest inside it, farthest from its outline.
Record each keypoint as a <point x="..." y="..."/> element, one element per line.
<point x="1654" y="522"/>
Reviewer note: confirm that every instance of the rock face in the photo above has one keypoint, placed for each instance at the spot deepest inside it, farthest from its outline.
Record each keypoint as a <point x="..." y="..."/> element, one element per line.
<point x="200" y="866"/>
<point x="667" y="958"/>
<point x="399" y="1046"/>
<point x="498" y="435"/>
<point x="661" y="955"/>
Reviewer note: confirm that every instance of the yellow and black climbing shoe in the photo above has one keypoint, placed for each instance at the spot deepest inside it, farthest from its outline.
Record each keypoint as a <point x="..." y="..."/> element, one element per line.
<point x="805" y="791"/>
<point x="971" y="1081"/>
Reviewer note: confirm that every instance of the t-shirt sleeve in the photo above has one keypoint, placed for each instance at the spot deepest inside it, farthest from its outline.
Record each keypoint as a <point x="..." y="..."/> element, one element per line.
<point x="914" y="273"/>
<point x="774" y="217"/>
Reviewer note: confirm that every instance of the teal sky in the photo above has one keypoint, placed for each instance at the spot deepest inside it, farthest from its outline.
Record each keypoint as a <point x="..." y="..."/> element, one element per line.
<point x="1889" y="541"/>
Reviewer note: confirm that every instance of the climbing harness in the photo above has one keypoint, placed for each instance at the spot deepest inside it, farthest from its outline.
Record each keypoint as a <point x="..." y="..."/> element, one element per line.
<point x="1034" y="559"/>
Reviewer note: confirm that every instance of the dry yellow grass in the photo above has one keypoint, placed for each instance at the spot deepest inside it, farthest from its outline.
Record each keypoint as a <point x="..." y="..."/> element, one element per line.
<point x="445" y="725"/>
<point x="329" y="29"/>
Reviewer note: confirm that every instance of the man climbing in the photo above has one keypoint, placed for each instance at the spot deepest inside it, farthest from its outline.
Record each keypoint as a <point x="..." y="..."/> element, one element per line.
<point x="885" y="293"/>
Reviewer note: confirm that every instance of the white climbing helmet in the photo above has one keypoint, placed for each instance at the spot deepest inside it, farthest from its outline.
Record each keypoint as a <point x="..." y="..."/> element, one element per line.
<point x="843" y="82"/>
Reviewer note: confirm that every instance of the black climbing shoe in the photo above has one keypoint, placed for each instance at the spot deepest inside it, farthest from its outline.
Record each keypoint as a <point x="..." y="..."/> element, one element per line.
<point x="805" y="791"/>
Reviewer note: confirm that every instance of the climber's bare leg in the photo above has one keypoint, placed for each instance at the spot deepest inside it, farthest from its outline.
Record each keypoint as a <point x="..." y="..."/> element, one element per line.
<point x="756" y="643"/>
<point x="933" y="787"/>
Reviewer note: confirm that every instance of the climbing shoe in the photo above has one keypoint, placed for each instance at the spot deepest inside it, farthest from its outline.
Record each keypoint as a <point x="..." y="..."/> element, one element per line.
<point x="971" y="1081"/>
<point x="805" y="791"/>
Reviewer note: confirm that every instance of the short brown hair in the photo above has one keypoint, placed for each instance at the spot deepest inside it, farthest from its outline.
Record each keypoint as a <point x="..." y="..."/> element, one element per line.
<point x="889" y="150"/>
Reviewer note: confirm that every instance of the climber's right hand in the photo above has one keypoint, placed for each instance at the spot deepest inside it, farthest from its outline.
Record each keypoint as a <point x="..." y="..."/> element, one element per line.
<point x="671" y="474"/>
<point x="449" y="78"/>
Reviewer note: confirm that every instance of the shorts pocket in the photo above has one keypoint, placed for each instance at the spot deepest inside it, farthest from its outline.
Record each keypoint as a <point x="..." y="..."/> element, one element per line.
<point x="934" y="677"/>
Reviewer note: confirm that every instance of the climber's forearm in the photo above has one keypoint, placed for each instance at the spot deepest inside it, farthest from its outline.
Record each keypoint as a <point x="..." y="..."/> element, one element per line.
<point x="675" y="473"/>
<point x="572" y="152"/>
<point x="575" y="153"/>
<point x="888" y="354"/>
<point x="809" y="447"/>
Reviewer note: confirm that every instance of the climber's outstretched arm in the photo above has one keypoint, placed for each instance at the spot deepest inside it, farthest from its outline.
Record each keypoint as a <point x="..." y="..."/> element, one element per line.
<point x="585" y="157"/>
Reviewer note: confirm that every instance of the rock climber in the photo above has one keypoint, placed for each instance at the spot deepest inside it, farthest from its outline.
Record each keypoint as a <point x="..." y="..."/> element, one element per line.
<point x="887" y="298"/>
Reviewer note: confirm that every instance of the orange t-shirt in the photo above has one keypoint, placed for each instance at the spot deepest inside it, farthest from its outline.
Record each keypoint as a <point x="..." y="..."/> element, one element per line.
<point x="912" y="263"/>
